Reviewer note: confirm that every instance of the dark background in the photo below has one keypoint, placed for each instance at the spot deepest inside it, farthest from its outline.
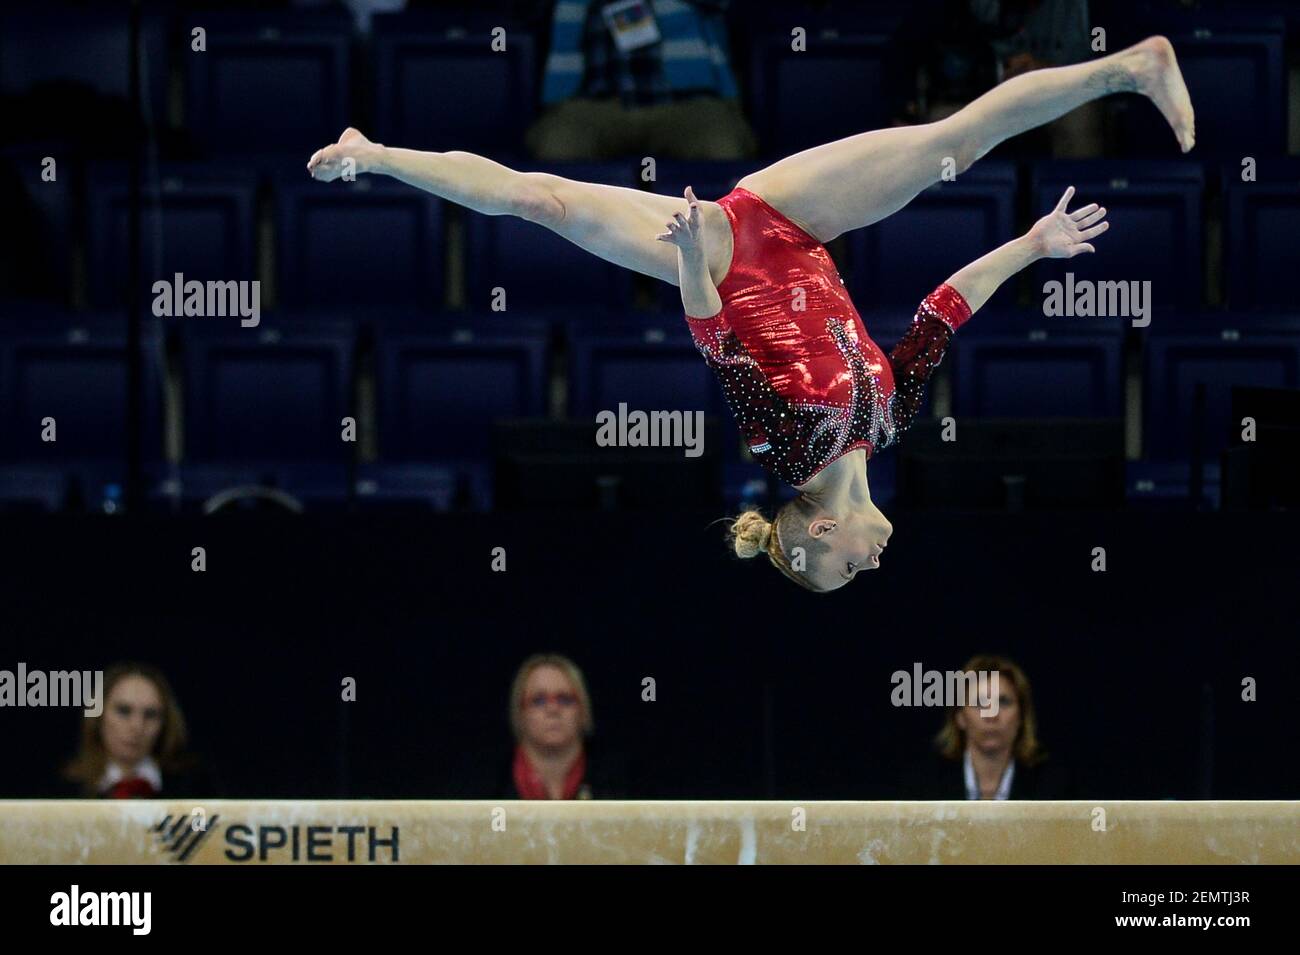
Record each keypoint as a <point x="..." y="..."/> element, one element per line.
<point x="762" y="690"/>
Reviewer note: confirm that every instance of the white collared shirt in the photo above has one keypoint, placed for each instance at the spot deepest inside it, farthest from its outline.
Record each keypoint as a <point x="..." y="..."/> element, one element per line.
<point x="973" y="786"/>
<point x="146" y="769"/>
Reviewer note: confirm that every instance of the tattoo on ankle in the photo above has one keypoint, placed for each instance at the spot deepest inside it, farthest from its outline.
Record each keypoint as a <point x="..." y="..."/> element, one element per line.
<point x="1112" y="79"/>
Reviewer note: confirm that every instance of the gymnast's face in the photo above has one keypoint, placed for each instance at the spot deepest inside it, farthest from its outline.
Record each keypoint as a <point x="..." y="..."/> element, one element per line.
<point x="132" y="720"/>
<point x="995" y="733"/>
<point x="857" y="540"/>
<point x="552" y="710"/>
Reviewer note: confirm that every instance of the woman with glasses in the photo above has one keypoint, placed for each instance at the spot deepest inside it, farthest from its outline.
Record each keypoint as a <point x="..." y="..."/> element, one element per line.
<point x="550" y="716"/>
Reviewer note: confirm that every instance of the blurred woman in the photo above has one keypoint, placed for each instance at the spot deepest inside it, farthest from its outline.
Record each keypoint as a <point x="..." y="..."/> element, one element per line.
<point x="136" y="748"/>
<point x="994" y="756"/>
<point x="551" y="718"/>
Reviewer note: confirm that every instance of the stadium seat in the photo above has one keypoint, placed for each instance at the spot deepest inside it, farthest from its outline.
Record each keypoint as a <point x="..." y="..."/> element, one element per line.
<point x="267" y="80"/>
<point x="1154" y="211"/>
<point x="901" y="259"/>
<point x="196" y="219"/>
<point x="422" y="66"/>
<point x="1021" y="364"/>
<point x="538" y="268"/>
<point x="370" y="242"/>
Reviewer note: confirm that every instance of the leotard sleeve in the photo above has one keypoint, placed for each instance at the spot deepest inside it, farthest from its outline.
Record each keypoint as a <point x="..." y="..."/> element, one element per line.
<point x="921" y="349"/>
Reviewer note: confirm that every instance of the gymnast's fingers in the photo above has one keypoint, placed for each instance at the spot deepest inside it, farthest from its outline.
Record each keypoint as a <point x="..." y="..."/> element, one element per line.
<point x="1094" y="231"/>
<point x="1090" y="220"/>
<point x="1078" y="214"/>
<point x="1065" y="200"/>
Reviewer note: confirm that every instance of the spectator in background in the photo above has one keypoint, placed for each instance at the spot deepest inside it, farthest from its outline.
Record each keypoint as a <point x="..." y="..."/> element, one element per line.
<point x="964" y="48"/>
<point x="993" y="756"/>
<point x="136" y="748"/>
<point x="636" y="77"/>
<point x="550" y="715"/>
<point x="1033" y="34"/>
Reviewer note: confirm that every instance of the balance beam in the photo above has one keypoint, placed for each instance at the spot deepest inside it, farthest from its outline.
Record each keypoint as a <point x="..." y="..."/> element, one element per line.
<point x="238" y="832"/>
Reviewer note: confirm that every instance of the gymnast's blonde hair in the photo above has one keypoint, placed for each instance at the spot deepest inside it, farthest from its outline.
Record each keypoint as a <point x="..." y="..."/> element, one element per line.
<point x="752" y="534"/>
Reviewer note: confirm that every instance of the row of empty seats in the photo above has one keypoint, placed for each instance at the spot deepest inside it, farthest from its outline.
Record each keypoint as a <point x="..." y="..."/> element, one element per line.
<point x="379" y="242"/>
<point x="279" y="80"/>
<point x="276" y="396"/>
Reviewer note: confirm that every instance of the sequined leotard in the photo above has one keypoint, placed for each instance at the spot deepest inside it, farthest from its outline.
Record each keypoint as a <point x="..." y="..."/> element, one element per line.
<point x="804" y="380"/>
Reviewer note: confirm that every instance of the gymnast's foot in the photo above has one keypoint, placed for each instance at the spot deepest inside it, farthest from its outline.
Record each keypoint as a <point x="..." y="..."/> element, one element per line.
<point x="1155" y="70"/>
<point x="353" y="154"/>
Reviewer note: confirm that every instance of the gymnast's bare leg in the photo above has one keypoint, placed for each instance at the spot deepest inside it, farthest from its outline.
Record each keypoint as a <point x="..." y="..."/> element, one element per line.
<point x="853" y="182"/>
<point x="829" y="189"/>
<point x="616" y="223"/>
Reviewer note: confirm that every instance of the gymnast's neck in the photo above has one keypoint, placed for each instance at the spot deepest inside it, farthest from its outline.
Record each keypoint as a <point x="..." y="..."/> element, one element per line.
<point x="841" y="486"/>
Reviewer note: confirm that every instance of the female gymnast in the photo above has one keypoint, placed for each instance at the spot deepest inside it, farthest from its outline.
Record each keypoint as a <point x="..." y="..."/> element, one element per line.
<point x="813" y="394"/>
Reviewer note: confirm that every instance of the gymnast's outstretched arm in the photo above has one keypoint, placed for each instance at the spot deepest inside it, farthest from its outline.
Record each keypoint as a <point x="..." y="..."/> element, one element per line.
<point x="700" y="298"/>
<point x="1057" y="235"/>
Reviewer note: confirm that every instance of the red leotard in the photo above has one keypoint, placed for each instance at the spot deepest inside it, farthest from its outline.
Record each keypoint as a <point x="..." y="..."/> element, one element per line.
<point x="804" y="379"/>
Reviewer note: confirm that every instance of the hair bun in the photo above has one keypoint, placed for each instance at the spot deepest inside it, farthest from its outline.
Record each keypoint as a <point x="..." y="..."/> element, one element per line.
<point x="750" y="533"/>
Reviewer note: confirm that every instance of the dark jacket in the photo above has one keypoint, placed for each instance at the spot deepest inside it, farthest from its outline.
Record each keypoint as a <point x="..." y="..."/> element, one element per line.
<point x="196" y="780"/>
<point x="939" y="778"/>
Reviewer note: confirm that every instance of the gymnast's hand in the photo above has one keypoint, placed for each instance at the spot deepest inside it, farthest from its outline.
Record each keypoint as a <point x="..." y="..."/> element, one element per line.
<point x="327" y="164"/>
<point x="686" y="232"/>
<point x="1063" y="235"/>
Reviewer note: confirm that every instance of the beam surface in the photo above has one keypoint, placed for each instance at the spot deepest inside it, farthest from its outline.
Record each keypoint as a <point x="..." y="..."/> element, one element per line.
<point x="312" y="832"/>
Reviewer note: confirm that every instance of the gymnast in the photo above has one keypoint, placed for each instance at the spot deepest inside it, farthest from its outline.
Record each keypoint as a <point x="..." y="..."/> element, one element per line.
<point x="813" y="395"/>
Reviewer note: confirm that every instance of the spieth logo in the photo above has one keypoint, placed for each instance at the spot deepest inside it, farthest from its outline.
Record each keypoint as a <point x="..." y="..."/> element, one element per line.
<point x="179" y="837"/>
<point x="243" y="843"/>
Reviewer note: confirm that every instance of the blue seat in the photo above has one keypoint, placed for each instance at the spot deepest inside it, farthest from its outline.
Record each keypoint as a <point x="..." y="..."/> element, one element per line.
<point x="421" y="69"/>
<point x="267" y="80"/>
<point x="200" y="223"/>
<point x="74" y="371"/>
<point x="1018" y="364"/>
<point x="538" y="268"/>
<point x="652" y="368"/>
<point x="267" y="394"/>
<point x="830" y="90"/>
<point x="62" y="44"/>
<point x="1154" y="211"/>
<point x="1218" y="351"/>
<point x="370" y="242"/>
<point x="440" y="390"/>
<point x="1234" y="66"/>
<point x="901" y="259"/>
<point x="1261" y="226"/>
